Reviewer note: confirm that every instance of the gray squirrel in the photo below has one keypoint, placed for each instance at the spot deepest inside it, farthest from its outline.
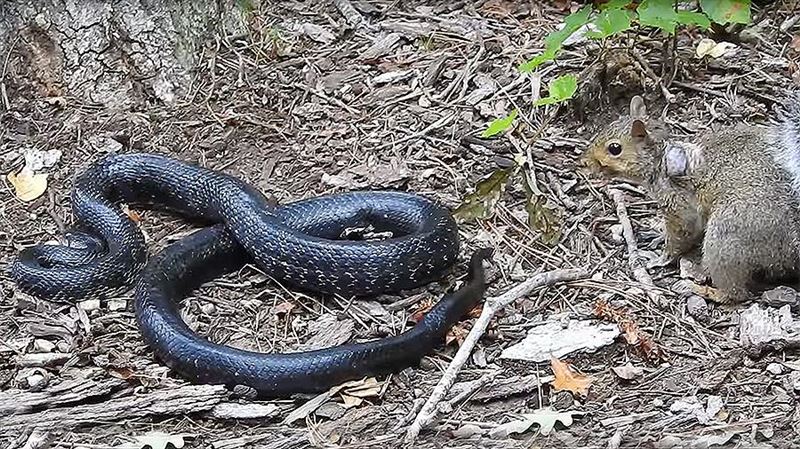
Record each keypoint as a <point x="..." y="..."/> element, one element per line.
<point x="735" y="191"/>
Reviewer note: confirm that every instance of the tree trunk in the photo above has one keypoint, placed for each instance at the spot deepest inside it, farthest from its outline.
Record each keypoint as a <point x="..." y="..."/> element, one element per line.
<point x="117" y="54"/>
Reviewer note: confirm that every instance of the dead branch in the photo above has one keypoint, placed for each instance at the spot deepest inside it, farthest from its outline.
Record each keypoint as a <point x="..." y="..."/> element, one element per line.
<point x="65" y="393"/>
<point x="490" y="308"/>
<point x="167" y="401"/>
<point x="638" y="268"/>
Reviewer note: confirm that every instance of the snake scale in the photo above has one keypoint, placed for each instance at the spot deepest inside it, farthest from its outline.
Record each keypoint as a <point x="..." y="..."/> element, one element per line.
<point x="300" y="244"/>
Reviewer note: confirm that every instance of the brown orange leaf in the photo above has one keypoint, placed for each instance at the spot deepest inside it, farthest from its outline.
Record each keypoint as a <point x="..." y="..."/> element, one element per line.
<point x="422" y="308"/>
<point x="633" y="334"/>
<point x="795" y="44"/>
<point x="457" y="334"/>
<point x="285" y="307"/>
<point x="121" y="373"/>
<point x="132" y="214"/>
<point x="568" y="379"/>
<point x="475" y="312"/>
<point x="650" y="349"/>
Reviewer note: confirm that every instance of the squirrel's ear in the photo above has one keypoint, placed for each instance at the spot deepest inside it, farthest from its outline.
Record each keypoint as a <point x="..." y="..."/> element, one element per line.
<point x="638" y="109"/>
<point x="638" y="129"/>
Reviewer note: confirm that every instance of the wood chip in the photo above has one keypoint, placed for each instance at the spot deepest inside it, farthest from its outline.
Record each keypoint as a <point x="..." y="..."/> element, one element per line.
<point x="381" y="46"/>
<point x="232" y="410"/>
<point x="762" y="329"/>
<point x="328" y="331"/>
<point x="42" y="359"/>
<point x="503" y="388"/>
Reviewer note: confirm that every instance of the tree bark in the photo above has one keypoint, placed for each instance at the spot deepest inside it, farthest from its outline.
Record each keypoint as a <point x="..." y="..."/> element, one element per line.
<point x="119" y="54"/>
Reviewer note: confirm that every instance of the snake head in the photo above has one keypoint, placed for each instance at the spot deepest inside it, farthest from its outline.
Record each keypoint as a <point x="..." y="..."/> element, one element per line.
<point x="476" y="263"/>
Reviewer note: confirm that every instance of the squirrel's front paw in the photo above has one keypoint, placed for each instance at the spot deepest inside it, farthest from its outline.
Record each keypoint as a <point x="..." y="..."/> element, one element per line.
<point x="712" y="294"/>
<point x="721" y="296"/>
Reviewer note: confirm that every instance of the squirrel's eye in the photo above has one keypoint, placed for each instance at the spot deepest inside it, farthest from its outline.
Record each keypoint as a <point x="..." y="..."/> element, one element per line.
<point x="614" y="148"/>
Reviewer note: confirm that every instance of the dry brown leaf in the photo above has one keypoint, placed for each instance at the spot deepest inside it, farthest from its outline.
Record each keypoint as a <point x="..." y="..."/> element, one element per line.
<point x="628" y="371"/>
<point x="354" y="394"/>
<point x="369" y="387"/>
<point x="708" y="47"/>
<point x="498" y="8"/>
<point x="457" y="334"/>
<point x="28" y="186"/>
<point x="285" y="307"/>
<point x="795" y="43"/>
<point x="56" y="101"/>
<point x="633" y="334"/>
<point x="351" y="401"/>
<point x="423" y="307"/>
<point x="708" y="292"/>
<point x="121" y="373"/>
<point x="546" y="418"/>
<point x="132" y="214"/>
<point x="562" y="5"/>
<point x="569" y="379"/>
<point x="475" y="312"/>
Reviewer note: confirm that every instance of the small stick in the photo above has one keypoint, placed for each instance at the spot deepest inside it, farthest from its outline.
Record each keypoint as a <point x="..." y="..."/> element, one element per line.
<point x="669" y="96"/>
<point x="442" y="122"/>
<point x="448" y="406"/>
<point x="634" y="261"/>
<point x="490" y="308"/>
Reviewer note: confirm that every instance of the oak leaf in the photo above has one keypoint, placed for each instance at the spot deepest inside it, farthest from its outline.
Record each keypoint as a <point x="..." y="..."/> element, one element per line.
<point x="568" y="379"/>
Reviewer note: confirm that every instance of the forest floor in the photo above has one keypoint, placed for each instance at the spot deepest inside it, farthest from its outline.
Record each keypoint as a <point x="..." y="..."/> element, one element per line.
<point x="306" y="106"/>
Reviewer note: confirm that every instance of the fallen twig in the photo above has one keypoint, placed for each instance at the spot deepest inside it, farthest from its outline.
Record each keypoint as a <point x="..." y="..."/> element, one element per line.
<point x="442" y="122"/>
<point x="167" y="401"/>
<point x="490" y="308"/>
<point x="65" y="394"/>
<point x="634" y="260"/>
<point x="669" y="96"/>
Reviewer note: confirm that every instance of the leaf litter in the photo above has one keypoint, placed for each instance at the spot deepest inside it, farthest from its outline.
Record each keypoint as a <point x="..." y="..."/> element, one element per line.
<point x="288" y="74"/>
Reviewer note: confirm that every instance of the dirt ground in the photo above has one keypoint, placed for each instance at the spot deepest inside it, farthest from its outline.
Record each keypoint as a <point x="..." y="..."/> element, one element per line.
<point x="300" y="113"/>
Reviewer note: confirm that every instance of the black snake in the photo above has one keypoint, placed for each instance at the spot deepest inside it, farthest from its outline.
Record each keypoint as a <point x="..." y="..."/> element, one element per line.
<point x="299" y="244"/>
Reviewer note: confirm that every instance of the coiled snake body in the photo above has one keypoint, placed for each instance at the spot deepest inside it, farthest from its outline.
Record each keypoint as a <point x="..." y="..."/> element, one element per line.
<point x="299" y="244"/>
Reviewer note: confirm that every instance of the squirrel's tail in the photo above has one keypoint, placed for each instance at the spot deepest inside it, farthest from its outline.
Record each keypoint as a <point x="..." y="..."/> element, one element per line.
<point x="786" y="132"/>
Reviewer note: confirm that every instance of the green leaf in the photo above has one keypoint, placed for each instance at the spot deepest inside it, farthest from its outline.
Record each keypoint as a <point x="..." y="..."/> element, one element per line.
<point x="554" y="40"/>
<point x="560" y="89"/>
<point x="658" y="13"/>
<point x="610" y="22"/>
<point x="530" y="65"/>
<point x="694" y="18"/>
<point x="661" y="14"/>
<point x="499" y="125"/>
<point x="727" y="11"/>
<point x="481" y="202"/>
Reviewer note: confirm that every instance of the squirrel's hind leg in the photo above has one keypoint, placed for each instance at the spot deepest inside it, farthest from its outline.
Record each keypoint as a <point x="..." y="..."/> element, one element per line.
<point x="727" y="259"/>
<point x="742" y="250"/>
